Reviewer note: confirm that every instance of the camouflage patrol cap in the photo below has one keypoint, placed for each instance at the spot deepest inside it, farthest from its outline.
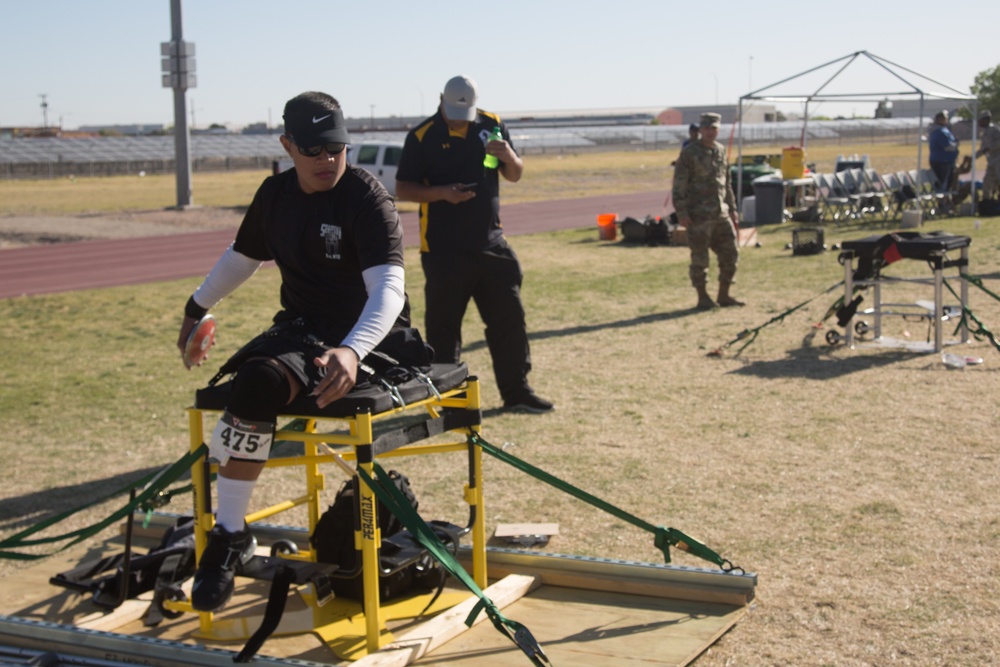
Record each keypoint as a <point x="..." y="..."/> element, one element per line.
<point x="711" y="120"/>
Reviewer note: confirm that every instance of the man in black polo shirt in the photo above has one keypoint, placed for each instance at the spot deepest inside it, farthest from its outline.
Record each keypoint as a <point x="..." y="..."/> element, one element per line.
<point x="334" y="233"/>
<point x="463" y="251"/>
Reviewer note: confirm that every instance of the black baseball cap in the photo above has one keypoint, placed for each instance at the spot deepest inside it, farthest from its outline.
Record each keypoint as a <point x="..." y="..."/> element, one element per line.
<point x="314" y="124"/>
<point x="694" y="126"/>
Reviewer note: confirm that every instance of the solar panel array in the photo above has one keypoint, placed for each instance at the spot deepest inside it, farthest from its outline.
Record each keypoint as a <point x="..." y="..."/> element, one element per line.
<point x="132" y="149"/>
<point x="49" y="150"/>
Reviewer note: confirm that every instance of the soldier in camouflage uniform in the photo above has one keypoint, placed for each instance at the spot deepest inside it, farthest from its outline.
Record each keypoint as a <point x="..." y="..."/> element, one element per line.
<point x="990" y="147"/>
<point x="706" y="207"/>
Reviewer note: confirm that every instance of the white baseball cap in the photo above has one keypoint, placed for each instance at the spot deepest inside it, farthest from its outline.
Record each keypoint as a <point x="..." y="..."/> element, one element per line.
<point x="459" y="98"/>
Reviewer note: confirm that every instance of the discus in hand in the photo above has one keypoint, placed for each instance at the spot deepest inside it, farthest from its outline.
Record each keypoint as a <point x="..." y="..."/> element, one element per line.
<point x="199" y="341"/>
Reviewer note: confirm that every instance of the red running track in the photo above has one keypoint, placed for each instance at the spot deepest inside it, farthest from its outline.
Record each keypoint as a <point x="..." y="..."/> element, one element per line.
<point x="64" y="267"/>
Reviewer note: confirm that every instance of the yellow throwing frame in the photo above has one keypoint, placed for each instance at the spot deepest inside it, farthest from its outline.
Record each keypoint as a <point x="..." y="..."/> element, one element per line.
<point x="457" y="410"/>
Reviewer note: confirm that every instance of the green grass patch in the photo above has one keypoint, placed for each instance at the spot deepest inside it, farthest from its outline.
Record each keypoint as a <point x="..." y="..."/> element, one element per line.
<point x="546" y="177"/>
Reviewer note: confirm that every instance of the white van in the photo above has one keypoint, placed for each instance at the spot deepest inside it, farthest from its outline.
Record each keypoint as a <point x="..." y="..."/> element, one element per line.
<point x="381" y="158"/>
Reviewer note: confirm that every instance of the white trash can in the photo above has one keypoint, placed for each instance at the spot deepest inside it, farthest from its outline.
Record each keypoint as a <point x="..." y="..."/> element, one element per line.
<point x="748" y="216"/>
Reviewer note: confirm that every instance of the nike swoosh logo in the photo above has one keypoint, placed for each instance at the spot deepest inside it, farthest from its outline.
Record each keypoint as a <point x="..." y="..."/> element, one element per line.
<point x="321" y="118"/>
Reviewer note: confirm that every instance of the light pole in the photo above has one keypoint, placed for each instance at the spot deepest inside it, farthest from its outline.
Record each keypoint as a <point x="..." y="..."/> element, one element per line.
<point x="179" y="74"/>
<point x="372" y="126"/>
<point x="45" y="109"/>
<point x="716" y="88"/>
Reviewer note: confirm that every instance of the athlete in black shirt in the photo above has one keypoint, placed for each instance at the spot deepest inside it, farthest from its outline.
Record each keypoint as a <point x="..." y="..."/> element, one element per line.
<point x="334" y="233"/>
<point x="463" y="251"/>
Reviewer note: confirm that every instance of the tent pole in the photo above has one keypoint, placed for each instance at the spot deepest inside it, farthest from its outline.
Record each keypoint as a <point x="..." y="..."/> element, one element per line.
<point x="972" y="175"/>
<point x="739" y="162"/>
<point x="805" y="126"/>
<point x="920" y="134"/>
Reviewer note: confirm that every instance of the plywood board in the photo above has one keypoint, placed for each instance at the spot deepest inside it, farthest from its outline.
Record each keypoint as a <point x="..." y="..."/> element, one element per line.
<point x="516" y="529"/>
<point x="586" y="612"/>
<point x="593" y="628"/>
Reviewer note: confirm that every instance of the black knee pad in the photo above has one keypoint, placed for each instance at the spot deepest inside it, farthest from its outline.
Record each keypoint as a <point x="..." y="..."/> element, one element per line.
<point x="260" y="390"/>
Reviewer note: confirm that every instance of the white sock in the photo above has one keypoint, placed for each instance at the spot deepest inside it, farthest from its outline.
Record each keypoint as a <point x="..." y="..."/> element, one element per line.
<point x="234" y="500"/>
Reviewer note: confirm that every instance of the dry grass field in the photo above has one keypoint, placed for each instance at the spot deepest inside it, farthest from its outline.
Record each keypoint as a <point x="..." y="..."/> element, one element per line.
<point x="547" y="177"/>
<point x="859" y="484"/>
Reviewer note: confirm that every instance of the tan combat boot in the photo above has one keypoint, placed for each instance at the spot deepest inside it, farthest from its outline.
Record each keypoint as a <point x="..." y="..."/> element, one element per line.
<point x="724" y="299"/>
<point x="704" y="300"/>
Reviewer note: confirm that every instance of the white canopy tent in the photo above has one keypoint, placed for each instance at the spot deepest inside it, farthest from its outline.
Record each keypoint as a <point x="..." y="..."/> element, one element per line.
<point x="823" y="84"/>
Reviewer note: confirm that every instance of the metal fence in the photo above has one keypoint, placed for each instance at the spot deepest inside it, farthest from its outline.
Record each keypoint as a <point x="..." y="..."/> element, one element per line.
<point x="62" y="168"/>
<point x="53" y="157"/>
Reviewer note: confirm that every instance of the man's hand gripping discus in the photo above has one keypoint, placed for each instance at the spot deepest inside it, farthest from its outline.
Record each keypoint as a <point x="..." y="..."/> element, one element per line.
<point x="199" y="341"/>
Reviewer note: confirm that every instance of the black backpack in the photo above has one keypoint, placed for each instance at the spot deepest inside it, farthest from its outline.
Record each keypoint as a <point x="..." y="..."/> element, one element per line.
<point x="649" y="231"/>
<point x="404" y="564"/>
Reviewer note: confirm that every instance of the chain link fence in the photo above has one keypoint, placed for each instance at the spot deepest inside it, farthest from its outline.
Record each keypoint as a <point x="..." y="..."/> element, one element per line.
<point x="24" y="158"/>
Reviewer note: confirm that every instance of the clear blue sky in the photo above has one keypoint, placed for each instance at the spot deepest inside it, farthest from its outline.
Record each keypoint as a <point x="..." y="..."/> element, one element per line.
<point x="98" y="61"/>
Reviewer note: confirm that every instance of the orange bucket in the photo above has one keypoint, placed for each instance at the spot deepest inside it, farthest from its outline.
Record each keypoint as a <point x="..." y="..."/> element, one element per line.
<point x="606" y="229"/>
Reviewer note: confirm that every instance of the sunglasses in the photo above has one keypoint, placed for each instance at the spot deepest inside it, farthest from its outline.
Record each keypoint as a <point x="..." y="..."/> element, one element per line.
<point x="332" y="148"/>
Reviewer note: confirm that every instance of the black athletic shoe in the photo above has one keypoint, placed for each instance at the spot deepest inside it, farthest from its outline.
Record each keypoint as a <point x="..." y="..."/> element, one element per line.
<point x="530" y="403"/>
<point x="225" y="553"/>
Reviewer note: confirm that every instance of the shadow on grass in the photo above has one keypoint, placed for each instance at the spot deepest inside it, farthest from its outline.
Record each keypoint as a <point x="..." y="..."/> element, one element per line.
<point x="20" y="512"/>
<point x="590" y="328"/>
<point x="811" y="363"/>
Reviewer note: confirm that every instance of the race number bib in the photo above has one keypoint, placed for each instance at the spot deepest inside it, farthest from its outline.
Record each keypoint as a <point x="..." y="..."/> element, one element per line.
<point x="241" y="439"/>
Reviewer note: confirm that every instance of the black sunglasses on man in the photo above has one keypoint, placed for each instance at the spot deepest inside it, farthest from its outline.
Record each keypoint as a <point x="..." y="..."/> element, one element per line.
<point x="332" y="148"/>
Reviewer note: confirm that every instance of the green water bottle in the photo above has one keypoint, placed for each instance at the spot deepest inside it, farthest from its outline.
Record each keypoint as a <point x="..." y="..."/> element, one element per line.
<point x="491" y="161"/>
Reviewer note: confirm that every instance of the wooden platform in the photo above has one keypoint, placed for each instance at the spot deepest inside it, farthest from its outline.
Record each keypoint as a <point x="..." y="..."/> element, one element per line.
<point x="582" y="612"/>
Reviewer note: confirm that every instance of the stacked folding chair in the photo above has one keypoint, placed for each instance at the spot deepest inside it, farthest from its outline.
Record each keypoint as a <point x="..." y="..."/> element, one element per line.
<point x="924" y="192"/>
<point x="845" y="190"/>
<point x="939" y="191"/>
<point x="902" y="197"/>
<point x="857" y="188"/>
<point x="832" y="206"/>
<point x="880" y="199"/>
<point x="909" y="197"/>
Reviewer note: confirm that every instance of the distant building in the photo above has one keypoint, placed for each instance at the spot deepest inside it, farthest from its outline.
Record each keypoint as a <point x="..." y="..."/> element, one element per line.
<point x="124" y="130"/>
<point x="911" y="108"/>
<point x="756" y="113"/>
<point x="213" y="130"/>
<point x="580" y="117"/>
<point x="30" y="132"/>
<point x="262" y="128"/>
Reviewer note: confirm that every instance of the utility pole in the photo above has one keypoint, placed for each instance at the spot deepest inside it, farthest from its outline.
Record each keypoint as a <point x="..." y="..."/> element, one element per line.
<point x="45" y="110"/>
<point x="179" y="74"/>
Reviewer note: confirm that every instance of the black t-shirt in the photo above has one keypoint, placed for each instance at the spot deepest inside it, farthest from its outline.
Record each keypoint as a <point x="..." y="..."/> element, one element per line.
<point x="321" y="243"/>
<point x="433" y="156"/>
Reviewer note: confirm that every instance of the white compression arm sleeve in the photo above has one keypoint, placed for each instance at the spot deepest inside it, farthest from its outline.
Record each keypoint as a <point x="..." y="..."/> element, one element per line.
<point x="231" y="271"/>
<point x="386" y="296"/>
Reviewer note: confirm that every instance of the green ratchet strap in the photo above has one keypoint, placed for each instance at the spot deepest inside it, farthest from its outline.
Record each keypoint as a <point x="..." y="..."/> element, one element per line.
<point x="978" y="282"/>
<point x="394" y="500"/>
<point x="151" y="496"/>
<point x="979" y="331"/>
<point x="664" y="538"/>
<point x="750" y="335"/>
